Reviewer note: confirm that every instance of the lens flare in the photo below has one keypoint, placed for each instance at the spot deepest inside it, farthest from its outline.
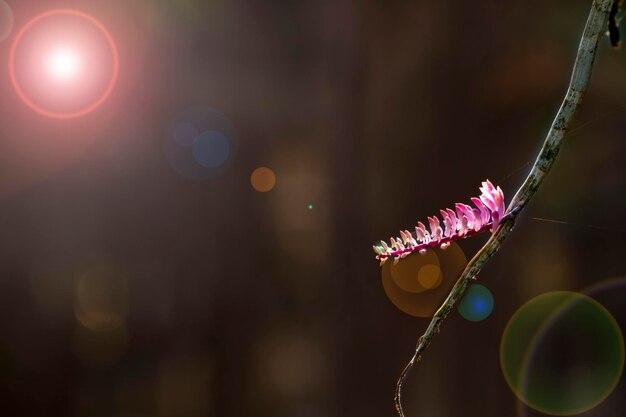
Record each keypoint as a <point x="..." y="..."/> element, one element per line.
<point x="6" y="20"/>
<point x="201" y="143"/>
<point x="416" y="273"/>
<point x="211" y="149"/>
<point x="63" y="64"/>
<point x="477" y="303"/>
<point x="185" y="134"/>
<point x="610" y="294"/>
<point x="263" y="179"/>
<point x="418" y="284"/>
<point x="562" y="353"/>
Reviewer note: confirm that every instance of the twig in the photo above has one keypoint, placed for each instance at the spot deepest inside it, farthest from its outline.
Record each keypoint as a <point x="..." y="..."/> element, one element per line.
<point x="594" y="29"/>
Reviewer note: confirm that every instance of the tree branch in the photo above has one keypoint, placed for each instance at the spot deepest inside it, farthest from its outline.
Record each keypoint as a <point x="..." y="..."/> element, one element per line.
<point x="594" y="29"/>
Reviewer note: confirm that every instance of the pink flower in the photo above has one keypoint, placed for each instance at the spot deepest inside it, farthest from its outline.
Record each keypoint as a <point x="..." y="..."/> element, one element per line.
<point x="460" y="223"/>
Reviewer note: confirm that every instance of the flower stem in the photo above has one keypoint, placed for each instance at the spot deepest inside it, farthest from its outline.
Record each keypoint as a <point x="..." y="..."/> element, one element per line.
<point x="594" y="30"/>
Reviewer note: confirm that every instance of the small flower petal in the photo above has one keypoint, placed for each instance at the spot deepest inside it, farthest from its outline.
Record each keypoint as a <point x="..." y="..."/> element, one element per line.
<point x="410" y="242"/>
<point x="422" y="228"/>
<point x="484" y="211"/>
<point x="499" y="198"/>
<point x="464" y="221"/>
<point x="435" y="228"/>
<point x="478" y="223"/>
<point x="450" y="226"/>
<point x="453" y="218"/>
<point x="495" y="221"/>
<point x="471" y="216"/>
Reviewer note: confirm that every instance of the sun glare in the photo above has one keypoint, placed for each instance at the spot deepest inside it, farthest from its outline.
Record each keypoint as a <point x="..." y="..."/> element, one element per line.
<point x="63" y="64"/>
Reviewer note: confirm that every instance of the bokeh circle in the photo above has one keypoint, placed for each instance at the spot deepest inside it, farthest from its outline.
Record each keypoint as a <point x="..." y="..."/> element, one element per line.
<point x="210" y="149"/>
<point x="185" y="134"/>
<point x="418" y="284"/>
<point x="562" y="353"/>
<point x="28" y="83"/>
<point x="263" y="179"/>
<point x="416" y="273"/>
<point x="6" y="20"/>
<point x="201" y="143"/>
<point x="477" y="303"/>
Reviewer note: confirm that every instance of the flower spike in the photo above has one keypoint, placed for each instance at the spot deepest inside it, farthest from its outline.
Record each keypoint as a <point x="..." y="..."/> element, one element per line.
<point x="464" y="221"/>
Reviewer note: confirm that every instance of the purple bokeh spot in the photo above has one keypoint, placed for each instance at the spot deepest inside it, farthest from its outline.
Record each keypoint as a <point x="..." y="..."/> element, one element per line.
<point x="185" y="134"/>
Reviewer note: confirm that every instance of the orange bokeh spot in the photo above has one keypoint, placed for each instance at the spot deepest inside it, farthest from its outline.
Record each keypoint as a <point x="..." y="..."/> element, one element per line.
<point x="429" y="276"/>
<point x="418" y="284"/>
<point x="263" y="179"/>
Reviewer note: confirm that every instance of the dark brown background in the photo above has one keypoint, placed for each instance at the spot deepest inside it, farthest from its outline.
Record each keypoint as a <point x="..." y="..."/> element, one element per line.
<point x="237" y="303"/>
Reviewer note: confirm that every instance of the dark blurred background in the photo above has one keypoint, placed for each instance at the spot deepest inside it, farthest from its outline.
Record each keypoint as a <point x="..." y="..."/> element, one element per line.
<point x="130" y="290"/>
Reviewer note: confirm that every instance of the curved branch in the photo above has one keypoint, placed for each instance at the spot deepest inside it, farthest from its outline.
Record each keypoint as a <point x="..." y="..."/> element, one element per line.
<point x="594" y="30"/>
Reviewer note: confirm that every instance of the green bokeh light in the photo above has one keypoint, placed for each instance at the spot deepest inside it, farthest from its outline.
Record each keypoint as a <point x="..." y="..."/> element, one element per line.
<point x="562" y="353"/>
